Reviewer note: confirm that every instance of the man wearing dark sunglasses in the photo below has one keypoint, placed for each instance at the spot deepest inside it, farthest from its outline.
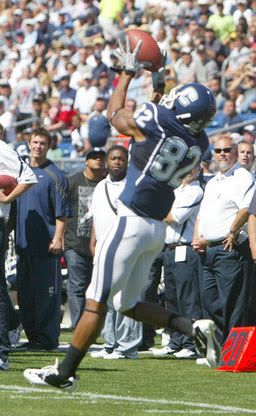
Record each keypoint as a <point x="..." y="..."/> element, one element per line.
<point x="221" y="237"/>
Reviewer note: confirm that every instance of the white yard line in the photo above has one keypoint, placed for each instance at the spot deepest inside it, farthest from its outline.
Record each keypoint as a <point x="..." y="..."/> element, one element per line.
<point x="58" y="394"/>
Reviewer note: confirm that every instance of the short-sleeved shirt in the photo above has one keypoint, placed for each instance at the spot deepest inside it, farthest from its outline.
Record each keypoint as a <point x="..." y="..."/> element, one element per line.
<point x="224" y="196"/>
<point x="11" y="164"/>
<point x="78" y="231"/>
<point x="38" y="208"/>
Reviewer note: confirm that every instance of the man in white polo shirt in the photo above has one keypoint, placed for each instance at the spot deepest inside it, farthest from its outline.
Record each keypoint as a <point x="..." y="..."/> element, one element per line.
<point x="221" y="236"/>
<point x="122" y="335"/>
<point x="12" y="165"/>
<point x="181" y="263"/>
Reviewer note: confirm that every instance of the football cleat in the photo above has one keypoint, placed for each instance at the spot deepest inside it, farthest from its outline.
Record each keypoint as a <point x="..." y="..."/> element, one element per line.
<point x="49" y="375"/>
<point x="205" y="341"/>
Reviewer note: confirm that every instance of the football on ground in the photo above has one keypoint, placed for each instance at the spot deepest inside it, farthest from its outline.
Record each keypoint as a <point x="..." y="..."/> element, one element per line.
<point x="7" y="184"/>
<point x="149" y="50"/>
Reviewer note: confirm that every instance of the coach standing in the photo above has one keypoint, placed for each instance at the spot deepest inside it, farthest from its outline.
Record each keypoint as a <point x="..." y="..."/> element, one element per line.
<point x="221" y="235"/>
<point x="10" y="164"/>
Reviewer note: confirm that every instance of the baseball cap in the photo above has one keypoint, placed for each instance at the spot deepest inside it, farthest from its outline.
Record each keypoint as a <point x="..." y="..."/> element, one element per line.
<point x="8" y="35"/>
<point x="69" y="25"/>
<point x="186" y="50"/>
<point x="175" y="46"/>
<point x="87" y="75"/>
<point x="4" y="83"/>
<point x="95" y="150"/>
<point x="250" y="128"/>
<point x="40" y="18"/>
<point x="65" y="52"/>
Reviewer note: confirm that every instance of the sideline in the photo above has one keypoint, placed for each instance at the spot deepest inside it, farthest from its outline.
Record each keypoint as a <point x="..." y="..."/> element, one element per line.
<point x="214" y="408"/>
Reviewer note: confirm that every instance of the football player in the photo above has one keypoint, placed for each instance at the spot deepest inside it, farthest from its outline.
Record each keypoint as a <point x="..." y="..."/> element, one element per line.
<point x="168" y="141"/>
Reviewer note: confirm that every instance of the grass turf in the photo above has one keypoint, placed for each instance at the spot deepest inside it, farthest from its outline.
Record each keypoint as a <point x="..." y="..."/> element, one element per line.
<point x="149" y="385"/>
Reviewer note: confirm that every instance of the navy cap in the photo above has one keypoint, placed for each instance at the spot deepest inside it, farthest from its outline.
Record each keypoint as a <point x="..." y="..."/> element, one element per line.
<point x="69" y="25"/>
<point x="95" y="150"/>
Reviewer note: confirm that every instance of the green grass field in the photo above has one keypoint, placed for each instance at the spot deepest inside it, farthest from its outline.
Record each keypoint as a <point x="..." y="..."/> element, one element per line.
<point x="149" y="385"/>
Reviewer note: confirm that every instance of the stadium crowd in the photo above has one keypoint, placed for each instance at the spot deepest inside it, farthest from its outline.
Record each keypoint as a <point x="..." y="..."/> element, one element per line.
<point x="56" y="72"/>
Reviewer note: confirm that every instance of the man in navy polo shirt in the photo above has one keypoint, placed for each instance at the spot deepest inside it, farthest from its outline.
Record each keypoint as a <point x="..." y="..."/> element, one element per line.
<point x="41" y="221"/>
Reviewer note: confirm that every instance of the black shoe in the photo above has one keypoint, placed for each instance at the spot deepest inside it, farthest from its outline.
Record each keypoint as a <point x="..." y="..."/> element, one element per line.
<point x="36" y="346"/>
<point x="145" y="346"/>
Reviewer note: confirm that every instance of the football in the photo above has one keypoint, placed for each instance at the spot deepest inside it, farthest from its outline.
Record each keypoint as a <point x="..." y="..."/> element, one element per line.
<point x="7" y="184"/>
<point x="149" y="50"/>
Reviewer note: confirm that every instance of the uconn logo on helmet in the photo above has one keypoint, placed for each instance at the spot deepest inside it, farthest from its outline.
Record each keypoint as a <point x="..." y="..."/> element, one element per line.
<point x="193" y="104"/>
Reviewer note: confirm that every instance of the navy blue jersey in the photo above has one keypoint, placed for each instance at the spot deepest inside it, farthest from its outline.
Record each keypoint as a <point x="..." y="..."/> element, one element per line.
<point x="158" y="164"/>
<point x="38" y="209"/>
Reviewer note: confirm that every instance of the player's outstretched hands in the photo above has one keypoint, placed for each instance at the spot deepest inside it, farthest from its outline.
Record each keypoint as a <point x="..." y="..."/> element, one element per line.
<point x="158" y="77"/>
<point x="128" y="59"/>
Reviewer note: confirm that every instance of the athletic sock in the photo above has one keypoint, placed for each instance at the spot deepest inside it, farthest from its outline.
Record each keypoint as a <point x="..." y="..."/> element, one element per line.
<point x="181" y="324"/>
<point x="68" y="366"/>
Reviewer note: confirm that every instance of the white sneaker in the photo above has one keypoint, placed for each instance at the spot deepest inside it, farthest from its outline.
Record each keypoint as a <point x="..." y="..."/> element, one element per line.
<point x="165" y="339"/>
<point x="116" y="355"/>
<point x="202" y="361"/>
<point x="50" y="376"/>
<point x="205" y="340"/>
<point x="4" y="364"/>
<point x="185" y="353"/>
<point x="162" y="351"/>
<point x="100" y="354"/>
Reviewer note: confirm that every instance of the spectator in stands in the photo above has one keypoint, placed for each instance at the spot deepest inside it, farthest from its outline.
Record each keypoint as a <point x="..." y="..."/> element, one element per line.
<point x="86" y="95"/>
<point x="82" y="65"/>
<point x="215" y="86"/>
<point x="246" y="156"/>
<point x="54" y="152"/>
<point x="110" y="15"/>
<point x="25" y="90"/>
<point x="69" y="38"/>
<point x="205" y="67"/>
<point x="227" y="117"/>
<point x="223" y="25"/>
<point x="247" y="81"/>
<point x="99" y="68"/>
<point x="185" y="68"/>
<point x="104" y="86"/>
<point x="66" y="92"/>
<point x="75" y="76"/>
<point x="249" y="133"/>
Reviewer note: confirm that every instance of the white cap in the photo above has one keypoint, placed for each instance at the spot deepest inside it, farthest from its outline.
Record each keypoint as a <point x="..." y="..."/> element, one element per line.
<point x="13" y="55"/>
<point x="41" y="17"/>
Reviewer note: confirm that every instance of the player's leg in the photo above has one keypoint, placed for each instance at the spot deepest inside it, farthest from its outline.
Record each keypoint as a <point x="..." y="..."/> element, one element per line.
<point x="92" y="320"/>
<point x="202" y="331"/>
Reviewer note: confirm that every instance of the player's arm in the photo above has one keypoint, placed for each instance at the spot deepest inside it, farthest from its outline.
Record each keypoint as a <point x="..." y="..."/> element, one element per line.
<point x="120" y="118"/>
<point x="158" y="81"/>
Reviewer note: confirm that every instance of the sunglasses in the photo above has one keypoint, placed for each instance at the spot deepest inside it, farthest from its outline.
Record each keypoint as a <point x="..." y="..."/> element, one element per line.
<point x="225" y="150"/>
